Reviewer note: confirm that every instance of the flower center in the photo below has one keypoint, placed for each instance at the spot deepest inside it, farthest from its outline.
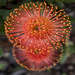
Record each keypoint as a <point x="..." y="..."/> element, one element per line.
<point x="39" y="26"/>
<point x="36" y="28"/>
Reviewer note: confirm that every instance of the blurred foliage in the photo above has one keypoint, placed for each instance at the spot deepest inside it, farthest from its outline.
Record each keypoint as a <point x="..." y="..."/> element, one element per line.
<point x="64" y="73"/>
<point x="2" y="65"/>
<point x="1" y="52"/>
<point x="3" y="14"/>
<point x="68" y="50"/>
<point x="66" y="1"/>
<point x="72" y="19"/>
<point x="1" y="26"/>
<point x="3" y="2"/>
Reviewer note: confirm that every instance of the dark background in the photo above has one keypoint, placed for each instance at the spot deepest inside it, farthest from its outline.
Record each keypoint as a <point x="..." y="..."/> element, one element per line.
<point x="8" y="66"/>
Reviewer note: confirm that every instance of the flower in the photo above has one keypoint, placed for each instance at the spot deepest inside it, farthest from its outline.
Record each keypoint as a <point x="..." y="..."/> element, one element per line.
<point x="37" y="32"/>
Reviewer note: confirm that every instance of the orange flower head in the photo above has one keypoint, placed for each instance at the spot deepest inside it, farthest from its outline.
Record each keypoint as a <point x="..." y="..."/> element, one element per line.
<point x="37" y="32"/>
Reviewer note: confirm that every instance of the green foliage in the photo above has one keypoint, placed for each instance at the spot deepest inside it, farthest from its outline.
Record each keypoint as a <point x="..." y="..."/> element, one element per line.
<point x="1" y="52"/>
<point x="72" y="19"/>
<point x="66" y="1"/>
<point x="64" y="73"/>
<point x="2" y="66"/>
<point x="3" y="15"/>
<point x="69" y="1"/>
<point x="2" y="26"/>
<point x="3" y="2"/>
<point x="69" y="49"/>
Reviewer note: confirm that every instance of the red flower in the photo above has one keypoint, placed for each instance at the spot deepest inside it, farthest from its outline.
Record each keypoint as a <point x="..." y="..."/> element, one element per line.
<point x="37" y="32"/>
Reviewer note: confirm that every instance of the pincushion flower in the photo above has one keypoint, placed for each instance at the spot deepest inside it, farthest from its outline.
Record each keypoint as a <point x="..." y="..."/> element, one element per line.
<point x="37" y="32"/>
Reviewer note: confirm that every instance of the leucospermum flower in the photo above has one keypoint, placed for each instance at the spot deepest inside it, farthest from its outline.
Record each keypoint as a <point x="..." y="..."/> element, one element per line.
<point x="37" y="32"/>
